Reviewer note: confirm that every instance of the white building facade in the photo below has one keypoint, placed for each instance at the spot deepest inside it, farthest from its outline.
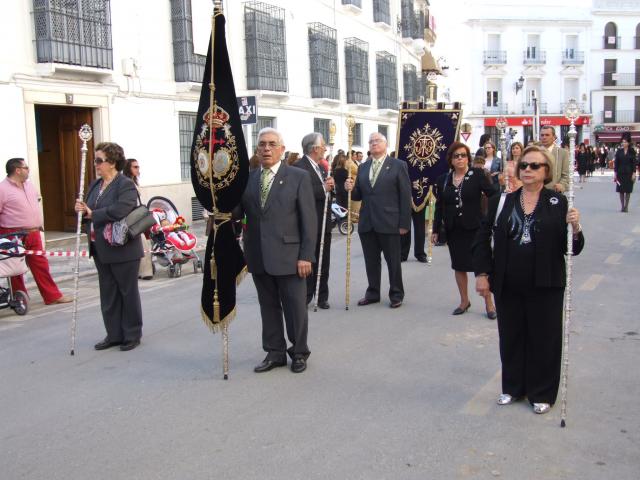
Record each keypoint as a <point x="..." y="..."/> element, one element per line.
<point x="615" y="76"/>
<point x="132" y="70"/>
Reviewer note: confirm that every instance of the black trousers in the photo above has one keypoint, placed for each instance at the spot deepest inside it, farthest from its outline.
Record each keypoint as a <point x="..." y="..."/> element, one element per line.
<point x="278" y="295"/>
<point x="120" y="299"/>
<point x="374" y="243"/>
<point x="417" y="218"/>
<point x="530" y="330"/>
<point x="323" y="292"/>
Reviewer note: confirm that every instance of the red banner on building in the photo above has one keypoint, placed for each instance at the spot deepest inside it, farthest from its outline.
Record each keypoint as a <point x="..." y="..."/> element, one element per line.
<point x="544" y="120"/>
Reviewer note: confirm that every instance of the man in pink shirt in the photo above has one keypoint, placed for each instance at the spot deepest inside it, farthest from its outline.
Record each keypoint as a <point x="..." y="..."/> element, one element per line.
<point x="20" y="211"/>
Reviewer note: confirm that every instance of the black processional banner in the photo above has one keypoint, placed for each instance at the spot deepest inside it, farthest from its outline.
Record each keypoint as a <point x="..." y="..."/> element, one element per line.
<point x="423" y="139"/>
<point x="219" y="173"/>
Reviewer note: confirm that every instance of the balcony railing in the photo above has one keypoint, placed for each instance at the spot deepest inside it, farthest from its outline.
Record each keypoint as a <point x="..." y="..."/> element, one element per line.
<point x="636" y="42"/>
<point x="494" y="57"/>
<point x="610" y="42"/>
<point x="355" y="3"/>
<point x="527" y="108"/>
<point x="572" y="57"/>
<point x="534" y="57"/>
<point x="500" y="108"/>
<point x="614" y="79"/>
<point x="620" y="116"/>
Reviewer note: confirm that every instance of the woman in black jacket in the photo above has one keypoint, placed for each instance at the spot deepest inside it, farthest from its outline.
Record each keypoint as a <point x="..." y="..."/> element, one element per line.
<point x="525" y="270"/>
<point x="582" y="162"/>
<point x="111" y="198"/>
<point x="458" y="209"/>
<point x="624" y="167"/>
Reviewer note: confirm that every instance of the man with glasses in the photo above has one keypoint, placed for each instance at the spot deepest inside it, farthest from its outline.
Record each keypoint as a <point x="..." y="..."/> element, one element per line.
<point x="560" y="170"/>
<point x="383" y="186"/>
<point x="313" y="149"/>
<point x="20" y="211"/>
<point x="279" y="246"/>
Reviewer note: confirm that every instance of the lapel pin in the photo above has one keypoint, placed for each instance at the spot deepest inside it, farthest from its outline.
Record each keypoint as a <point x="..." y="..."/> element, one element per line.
<point x="280" y="182"/>
<point x="553" y="201"/>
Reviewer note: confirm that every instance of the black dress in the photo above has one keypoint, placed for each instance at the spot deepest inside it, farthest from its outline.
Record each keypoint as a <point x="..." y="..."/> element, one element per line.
<point x="624" y="166"/>
<point x="459" y="209"/>
<point x="582" y="163"/>
<point x="339" y="176"/>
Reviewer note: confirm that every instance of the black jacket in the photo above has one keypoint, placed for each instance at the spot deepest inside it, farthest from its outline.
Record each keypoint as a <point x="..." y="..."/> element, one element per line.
<point x="474" y="185"/>
<point x="550" y="241"/>
<point x="625" y="164"/>
<point x="318" y="193"/>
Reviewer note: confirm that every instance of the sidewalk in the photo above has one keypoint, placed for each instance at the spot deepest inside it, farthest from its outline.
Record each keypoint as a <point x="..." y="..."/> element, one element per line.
<point x="62" y="268"/>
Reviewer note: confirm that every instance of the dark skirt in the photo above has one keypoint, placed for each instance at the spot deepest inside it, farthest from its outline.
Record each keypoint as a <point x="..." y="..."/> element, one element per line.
<point x="459" y="241"/>
<point x="626" y="183"/>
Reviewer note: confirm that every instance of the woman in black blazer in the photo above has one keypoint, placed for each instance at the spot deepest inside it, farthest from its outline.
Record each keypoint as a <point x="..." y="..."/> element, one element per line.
<point x="111" y="198"/>
<point x="458" y="209"/>
<point x="525" y="270"/>
<point x="625" y="171"/>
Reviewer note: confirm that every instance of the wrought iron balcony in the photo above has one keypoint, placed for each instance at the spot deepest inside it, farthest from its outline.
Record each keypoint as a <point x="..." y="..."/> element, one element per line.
<point x="614" y="79"/>
<point x="534" y="57"/>
<point x="494" y="57"/>
<point x="500" y="108"/>
<point x="527" y="108"/>
<point x="572" y="57"/>
<point x="610" y="42"/>
<point x="620" y="116"/>
<point x="581" y="107"/>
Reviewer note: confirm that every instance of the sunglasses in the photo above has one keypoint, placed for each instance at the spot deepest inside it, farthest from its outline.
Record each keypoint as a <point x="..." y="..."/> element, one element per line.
<point x="459" y="155"/>
<point x="532" y="165"/>
<point x="98" y="161"/>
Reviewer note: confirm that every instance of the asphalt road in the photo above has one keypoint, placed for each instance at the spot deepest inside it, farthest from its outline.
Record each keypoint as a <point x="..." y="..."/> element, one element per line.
<point x="389" y="394"/>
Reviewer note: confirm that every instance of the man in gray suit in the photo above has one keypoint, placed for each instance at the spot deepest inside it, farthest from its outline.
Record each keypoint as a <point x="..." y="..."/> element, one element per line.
<point x="279" y="246"/>
<point x="560" y="171"/>
<point x="383" y="186"/>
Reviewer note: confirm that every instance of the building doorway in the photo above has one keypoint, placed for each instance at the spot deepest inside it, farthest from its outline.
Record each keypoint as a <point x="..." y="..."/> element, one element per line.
<point x="59" y="163"/>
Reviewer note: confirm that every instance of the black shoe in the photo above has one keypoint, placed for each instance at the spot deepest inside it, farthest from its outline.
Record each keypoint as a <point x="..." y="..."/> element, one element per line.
<point x="129" y="345"/>
<point x="367" y="301"/>
<point x="460" y="310"/>
<point x="324" y="305"/>
<point x="404" y="259"/>
<point x="103" y="345"/>
<point x="395" y="304"/>
<point x="422" y="259"/>
<point x="492" y="315"/>
<point x="298" y="365"/>
<point x="267" y="365"/>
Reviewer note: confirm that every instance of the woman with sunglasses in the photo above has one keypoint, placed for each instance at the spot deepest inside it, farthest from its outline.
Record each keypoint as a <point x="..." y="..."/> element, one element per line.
<point x="111" y="198"/>
<point x="458" y="209"/>
<point x="492" y="162"/>
<point x="525" y="270"/>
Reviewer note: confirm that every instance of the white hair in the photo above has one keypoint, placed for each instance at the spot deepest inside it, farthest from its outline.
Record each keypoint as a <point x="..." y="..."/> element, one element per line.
<point x="379" y="135"/>
<point x="275" y="132"/>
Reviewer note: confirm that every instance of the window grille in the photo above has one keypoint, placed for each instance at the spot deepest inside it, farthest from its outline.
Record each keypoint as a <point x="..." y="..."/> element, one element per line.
<point x="321" y="125"/>
<point x="356" y="53"/>
<point x="411" y="23"/>
<point x="186" y="125"/>
<point x="357" y="135"/>
<point x="75" y="32"/>
<point x="323" y="61"/>
<point x="187" y="65"/>
<point x="381" y="11"/>
<point x="263" y="122"/>
<point x="197" y="210"/>
<point x="387" y="80"/>
<point x="357" y="3"/>
<point x="266" y="47"/>
<point x="410" y="83"/>
<point x="384" y="130"/>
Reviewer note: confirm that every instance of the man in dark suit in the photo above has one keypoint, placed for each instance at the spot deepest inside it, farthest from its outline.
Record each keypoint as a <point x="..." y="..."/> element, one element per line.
<point x="314" y="148"/>
<point x="279" y="246"/>
<point x="383" y="186"/>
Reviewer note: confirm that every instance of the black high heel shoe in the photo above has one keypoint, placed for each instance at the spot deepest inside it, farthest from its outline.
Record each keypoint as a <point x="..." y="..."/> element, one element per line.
<point x="460" y="310"/>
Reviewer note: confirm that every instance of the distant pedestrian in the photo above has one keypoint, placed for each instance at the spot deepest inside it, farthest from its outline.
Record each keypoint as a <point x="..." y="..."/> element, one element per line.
<point x="625" y="171"/>
<point x="132" y="170"/>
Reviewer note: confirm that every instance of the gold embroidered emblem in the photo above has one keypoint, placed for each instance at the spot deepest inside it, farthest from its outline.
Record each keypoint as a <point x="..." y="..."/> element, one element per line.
<point x="424" y="147"/>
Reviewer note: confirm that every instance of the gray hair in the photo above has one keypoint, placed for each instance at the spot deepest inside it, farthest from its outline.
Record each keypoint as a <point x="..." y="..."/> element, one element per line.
<point x="267" y="130"/>
<point x="379" y="135"/>
<point x="309" y="141"/>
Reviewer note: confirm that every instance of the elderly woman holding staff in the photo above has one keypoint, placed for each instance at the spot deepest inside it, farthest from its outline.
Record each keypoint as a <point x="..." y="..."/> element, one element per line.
<point x="525" y="270"/>
<point x="111" y="198"/>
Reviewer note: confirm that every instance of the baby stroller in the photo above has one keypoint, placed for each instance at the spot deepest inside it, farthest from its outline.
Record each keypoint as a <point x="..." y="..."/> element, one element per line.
<point x="172" y="245"/>
<point x="12" y="263"/>
<point x="339" y="217"/>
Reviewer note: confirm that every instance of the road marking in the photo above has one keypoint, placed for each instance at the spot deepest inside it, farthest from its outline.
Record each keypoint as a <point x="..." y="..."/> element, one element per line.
<point x="626" y="242"/>
<point x="592" y="282"/>
<point x="4" y="328"/>
<point x="484" y="400"/>
<point x="613" y="259"/>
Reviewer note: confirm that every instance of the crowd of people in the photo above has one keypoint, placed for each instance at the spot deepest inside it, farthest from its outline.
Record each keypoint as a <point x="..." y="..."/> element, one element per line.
<point x="504" y="220"/>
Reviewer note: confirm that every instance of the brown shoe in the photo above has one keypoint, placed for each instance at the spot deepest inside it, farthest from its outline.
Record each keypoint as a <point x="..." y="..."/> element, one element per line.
<point x="62" y="299"/>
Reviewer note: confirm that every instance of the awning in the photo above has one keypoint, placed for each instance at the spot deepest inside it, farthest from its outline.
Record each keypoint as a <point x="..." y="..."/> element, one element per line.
<point x="616" y="136"/>
<point x="429" y="64"/>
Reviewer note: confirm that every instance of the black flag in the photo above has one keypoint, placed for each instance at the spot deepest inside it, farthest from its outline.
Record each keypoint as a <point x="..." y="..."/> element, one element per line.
<point x="219" y="173"/>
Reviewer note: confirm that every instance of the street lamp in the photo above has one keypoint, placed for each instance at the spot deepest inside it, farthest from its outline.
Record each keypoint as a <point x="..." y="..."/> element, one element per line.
<point x="501" y="123"/>
<point x="519" y="84"/>
<point x="571" y="112"/>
